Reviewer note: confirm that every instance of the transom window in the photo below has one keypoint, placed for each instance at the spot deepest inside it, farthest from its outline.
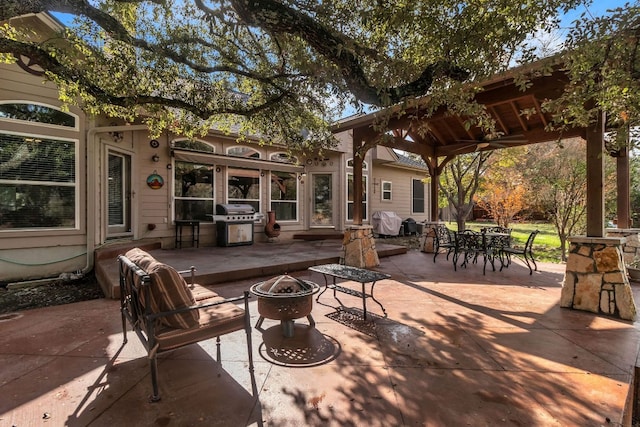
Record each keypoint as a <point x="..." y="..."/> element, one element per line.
<point x="246" y="152"/>
<point x="364" y="165"/>
<point x="36" y="113"/>
<point x="194" y="145"/>
<point x="38" y="187"/>
<point x="283" y="158"/>
<point x="194" y="191"/>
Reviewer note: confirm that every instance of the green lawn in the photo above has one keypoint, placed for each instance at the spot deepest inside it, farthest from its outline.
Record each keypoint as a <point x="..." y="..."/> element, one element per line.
<point x="546" y="246"/>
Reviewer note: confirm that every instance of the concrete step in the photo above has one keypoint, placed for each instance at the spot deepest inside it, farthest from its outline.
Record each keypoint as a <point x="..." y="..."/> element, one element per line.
<point x="319" y="235"/>
<point x="106" y="266"/>
<point x="219" y="265"/>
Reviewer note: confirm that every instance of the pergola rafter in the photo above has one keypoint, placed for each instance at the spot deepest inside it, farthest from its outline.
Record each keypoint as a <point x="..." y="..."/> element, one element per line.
<point x="443" y="135"/>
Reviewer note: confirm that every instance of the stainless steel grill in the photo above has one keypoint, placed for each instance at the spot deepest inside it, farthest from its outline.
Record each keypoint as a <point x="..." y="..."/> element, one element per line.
<point x="234" y="224"/>
<point x="235" y="213"/>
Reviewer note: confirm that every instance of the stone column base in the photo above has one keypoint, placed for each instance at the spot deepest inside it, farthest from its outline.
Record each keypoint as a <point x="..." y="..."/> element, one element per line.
<point x="359" y="247"/>
<point x="631" y="244"/>
<point x="595" y="279"/>
<point x="428" y="237"/>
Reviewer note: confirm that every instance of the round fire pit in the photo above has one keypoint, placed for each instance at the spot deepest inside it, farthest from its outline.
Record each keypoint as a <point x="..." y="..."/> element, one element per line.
<point x="285" y="298"/>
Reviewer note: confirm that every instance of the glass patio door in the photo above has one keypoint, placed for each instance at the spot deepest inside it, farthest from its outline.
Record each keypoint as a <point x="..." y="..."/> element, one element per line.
<point x="322" y="200"/>
<point x="119" y="193"/>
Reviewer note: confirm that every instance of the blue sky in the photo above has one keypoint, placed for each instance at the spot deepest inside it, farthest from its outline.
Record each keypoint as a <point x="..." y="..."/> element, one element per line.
<point x="597" y="8"/>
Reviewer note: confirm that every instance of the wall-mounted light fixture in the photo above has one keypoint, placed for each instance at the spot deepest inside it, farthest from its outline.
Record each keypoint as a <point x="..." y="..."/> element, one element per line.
<point x="116" y="136"/>
<point x="155" y="158"/>
<point x="262" y="173"/>
<point x="218" y="169"/>
<point x="169" y="166"/>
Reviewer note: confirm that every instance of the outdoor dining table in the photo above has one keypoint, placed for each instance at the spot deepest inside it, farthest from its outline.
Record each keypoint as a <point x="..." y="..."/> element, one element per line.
<point x="361" y="275"/>
<point x="471" y="244"/>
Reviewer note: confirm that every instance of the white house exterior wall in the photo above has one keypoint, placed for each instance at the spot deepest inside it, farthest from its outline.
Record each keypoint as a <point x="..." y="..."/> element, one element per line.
<point x="27" y="254"/>
<point x="401" y="192"/>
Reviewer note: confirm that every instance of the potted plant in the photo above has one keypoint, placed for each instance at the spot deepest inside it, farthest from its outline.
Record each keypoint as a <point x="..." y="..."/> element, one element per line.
<point x="633" y="268"/>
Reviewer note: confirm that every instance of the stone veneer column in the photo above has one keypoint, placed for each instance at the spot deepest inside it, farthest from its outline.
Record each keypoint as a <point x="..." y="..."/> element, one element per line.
<point x="427" y="240"/>
<point x="359" y="247"/>
<point x="596" y="279"/>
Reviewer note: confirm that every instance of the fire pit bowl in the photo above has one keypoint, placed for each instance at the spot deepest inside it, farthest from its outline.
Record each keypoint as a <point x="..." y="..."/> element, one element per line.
<point x="285" y="298"/>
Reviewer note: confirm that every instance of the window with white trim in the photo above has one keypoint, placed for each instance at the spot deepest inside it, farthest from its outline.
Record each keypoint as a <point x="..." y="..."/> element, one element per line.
<point x="38" y="182"/>
<point x="365" y="168"/>
<point x="243" y="187"/>
<point x="284" y="195"/>
<point x="386" y="191"/>
<point x="364" y="164"/>
<point x="350" y="195"/>
<point x="245" y="152"/>
<point x="37" y="114"/>
<point x="417" y="196"/>
<point x="194" y="145"/>
<point x="194" y="196"/>
<point x="281" y="157"/>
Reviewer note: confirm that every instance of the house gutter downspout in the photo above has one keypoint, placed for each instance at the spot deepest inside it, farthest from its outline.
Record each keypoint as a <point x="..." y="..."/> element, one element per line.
<point x="92" y="202"/>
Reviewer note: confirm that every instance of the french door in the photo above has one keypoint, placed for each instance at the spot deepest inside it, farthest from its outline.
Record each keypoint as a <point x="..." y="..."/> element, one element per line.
<point x="118" y="194"/>
<point x="322" y="200"/>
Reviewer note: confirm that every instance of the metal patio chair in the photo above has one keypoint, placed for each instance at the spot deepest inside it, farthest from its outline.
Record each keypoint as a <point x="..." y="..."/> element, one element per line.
<point x="468" y="244"/>
<point x="444" y="239"/>
<point x="525" y="253"/>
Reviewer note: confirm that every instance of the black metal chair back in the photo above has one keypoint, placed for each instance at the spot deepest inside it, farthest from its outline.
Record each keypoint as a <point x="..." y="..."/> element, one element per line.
<point x="525" y="253"/>
<point x="468" y="244"/>
<point x="496" y="229"/>
<point x="444" y="239"/>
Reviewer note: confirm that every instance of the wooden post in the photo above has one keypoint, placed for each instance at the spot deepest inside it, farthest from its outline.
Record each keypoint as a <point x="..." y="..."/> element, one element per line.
<point x="595" y="178"/>
<point x="435" y="188"/>
<point x="622" y="183"/>
<point x="358" y="159"/>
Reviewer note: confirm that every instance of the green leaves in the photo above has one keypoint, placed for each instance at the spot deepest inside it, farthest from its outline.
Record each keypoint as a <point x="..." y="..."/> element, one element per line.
<point x="602" y="63"/>
<point x="278" y="66"/>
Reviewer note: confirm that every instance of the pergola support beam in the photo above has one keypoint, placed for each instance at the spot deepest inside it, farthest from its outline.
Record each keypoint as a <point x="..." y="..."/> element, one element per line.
<point x="622" y="182"/>
<point x="595" y="178"/>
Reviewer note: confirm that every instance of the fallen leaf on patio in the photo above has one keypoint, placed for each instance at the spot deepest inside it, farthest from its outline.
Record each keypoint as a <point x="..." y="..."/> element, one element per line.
<point x="315" y="401"/>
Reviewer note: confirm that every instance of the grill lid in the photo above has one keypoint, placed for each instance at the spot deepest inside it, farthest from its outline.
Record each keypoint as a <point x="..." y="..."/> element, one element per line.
<point x="234" y="209"/>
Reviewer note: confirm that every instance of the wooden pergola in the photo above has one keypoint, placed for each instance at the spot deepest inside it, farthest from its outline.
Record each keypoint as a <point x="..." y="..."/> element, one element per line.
<point x="440" y="137"/>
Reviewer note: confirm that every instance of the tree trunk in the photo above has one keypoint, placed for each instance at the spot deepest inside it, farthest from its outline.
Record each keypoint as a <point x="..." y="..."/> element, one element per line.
<point x="563" y="247"/>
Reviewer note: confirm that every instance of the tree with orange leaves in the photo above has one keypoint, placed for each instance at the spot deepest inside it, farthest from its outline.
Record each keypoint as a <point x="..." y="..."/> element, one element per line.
<point x="502" y="193"/>
<point x="503" y="200"/>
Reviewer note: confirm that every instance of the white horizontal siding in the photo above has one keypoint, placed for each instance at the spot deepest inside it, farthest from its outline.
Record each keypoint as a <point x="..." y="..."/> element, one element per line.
<point x="401" y="182"/>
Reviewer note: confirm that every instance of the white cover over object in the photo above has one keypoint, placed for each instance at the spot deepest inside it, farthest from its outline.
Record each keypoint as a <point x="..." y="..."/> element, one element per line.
<point x="386" y="222"/>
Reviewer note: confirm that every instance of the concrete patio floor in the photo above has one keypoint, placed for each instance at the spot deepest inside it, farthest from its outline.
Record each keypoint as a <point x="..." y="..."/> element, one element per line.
<point x="456" y="349"/>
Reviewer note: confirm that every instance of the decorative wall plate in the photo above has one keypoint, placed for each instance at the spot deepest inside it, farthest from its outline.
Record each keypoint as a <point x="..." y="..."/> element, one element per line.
<point x="155" y="181"/>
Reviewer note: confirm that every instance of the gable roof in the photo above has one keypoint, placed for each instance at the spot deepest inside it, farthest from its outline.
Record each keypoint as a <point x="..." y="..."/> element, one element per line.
<point x="398" y="159"/>
<point x="444" y="133"/>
